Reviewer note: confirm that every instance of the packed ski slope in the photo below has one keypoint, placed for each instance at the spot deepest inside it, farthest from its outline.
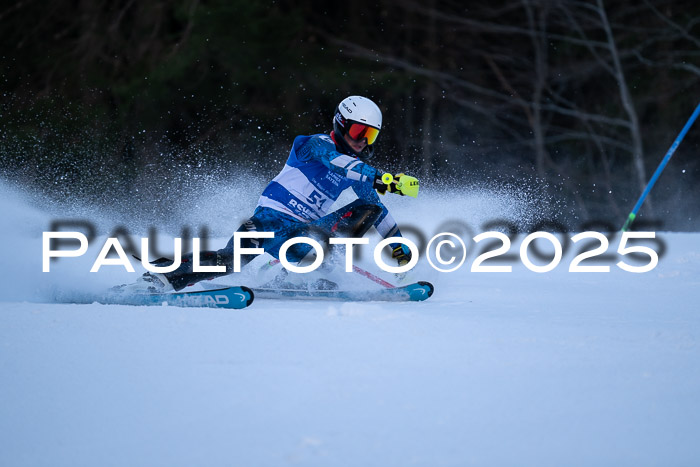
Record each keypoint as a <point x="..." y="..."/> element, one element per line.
<point x="517" y="368"/>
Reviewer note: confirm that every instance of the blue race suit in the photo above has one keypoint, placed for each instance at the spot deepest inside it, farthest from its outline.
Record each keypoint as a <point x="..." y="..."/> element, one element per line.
<point x="299" y="197"/>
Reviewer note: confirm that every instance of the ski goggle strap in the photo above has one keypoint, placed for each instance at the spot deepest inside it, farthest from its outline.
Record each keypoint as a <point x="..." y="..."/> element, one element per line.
<point x="358" y="131"/>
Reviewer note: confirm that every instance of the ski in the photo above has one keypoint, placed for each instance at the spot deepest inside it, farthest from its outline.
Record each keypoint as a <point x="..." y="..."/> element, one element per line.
<point x="235" y="297"/>
<point x="417" y="291"/>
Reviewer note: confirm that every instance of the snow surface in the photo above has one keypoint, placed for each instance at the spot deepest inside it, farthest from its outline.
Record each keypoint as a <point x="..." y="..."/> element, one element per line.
<point x="515" y="368"/>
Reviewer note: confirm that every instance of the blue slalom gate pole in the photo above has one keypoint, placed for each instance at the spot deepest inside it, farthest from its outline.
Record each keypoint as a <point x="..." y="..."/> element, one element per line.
<point x="660" y="169"/>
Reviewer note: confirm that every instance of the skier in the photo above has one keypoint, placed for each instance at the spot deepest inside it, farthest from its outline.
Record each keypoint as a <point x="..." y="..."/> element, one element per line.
<point x="296" y="202"/>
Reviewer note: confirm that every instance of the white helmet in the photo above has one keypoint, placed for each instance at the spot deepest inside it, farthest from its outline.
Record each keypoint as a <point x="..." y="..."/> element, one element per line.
<point x="362" y="119"/>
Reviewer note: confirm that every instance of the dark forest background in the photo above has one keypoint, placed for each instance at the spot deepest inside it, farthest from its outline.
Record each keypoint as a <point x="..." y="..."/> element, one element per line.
<point x="102" y="99"/>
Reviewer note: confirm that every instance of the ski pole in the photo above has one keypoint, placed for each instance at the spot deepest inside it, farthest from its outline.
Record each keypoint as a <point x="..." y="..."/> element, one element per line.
<point x="373" y="277"/>
<point x="355" y="269"/>
<point x="660" y="169"/>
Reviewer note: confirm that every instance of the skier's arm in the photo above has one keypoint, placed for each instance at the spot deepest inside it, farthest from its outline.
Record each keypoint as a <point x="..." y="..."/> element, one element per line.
<point x="323" y="150"/>
<point x="385" y="224"/>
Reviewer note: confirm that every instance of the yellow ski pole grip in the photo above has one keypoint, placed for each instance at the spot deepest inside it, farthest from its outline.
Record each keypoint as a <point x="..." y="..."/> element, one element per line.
<point x="387" y="178"/>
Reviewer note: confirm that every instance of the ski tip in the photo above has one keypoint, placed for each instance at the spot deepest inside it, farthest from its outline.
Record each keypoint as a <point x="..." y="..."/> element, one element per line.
<point x="250" y="293"/>
<point x="430" y="287"/>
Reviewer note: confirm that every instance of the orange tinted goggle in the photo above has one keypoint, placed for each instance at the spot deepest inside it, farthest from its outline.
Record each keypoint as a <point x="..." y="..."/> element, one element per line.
<point x="358" y="132"/>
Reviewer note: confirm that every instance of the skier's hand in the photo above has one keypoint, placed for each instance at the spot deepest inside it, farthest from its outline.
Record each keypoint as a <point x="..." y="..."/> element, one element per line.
<point x="402" y="254"/>
<point x="382" y="183"/>
<point x="401" y="184"/>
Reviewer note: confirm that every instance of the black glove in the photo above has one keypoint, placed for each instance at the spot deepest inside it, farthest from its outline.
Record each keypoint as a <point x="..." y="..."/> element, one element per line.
<point x="381" y="186"/>
<point x="402" y="255"/>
